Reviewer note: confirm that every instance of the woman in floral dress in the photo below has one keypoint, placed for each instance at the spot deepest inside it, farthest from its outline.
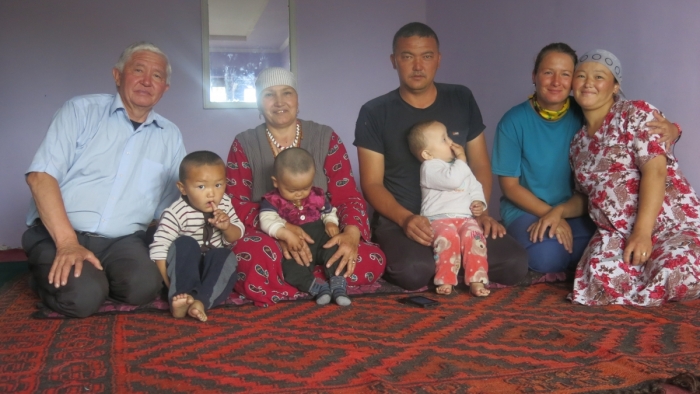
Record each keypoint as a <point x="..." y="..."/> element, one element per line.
<point x="645" y="251"/>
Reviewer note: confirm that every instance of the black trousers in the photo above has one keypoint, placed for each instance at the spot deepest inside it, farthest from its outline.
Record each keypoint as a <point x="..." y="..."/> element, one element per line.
<point x="412" y="265"/>
<point x="300" y="276"/>
<point x="129" y="275"/>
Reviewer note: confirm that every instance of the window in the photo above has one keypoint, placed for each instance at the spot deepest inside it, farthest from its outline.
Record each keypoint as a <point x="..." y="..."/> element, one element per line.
<point x="240" y="38"/>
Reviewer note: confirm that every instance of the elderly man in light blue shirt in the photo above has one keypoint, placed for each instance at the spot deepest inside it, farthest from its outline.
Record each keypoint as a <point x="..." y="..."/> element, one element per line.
<point x="106" y="168"/>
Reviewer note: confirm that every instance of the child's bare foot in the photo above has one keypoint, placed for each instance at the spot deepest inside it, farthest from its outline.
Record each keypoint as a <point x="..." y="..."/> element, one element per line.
<point x="180" y="304"/>
<point x="478" y="289"/>
<point x="197" y="311"/>
<point x="444" y="289"/>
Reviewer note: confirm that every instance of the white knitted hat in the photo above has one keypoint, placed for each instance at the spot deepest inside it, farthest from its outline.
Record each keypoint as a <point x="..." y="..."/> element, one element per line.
<point x="274" y="76"/>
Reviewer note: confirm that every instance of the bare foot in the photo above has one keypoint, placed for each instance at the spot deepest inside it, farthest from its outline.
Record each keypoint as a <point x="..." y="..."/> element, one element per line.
<point x="180" y="304"/>
<point x="478" y="289"/>
<point x="197" y="311"/>
<point x="444" y="289"/>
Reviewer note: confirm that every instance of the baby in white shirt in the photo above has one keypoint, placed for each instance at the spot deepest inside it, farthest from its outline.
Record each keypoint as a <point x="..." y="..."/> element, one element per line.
<point x="451" y="198"/>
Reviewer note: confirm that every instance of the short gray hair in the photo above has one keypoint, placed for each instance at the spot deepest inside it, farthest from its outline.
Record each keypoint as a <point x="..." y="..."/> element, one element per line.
<point x="143" y="46"/>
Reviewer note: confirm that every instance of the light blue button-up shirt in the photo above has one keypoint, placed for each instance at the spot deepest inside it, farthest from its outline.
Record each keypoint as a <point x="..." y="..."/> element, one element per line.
<point x="114" y="180"/>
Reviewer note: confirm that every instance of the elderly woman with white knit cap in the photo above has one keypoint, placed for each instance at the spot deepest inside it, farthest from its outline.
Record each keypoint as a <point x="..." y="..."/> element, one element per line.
<point x="250" y="167"/>
<point x="646" y="250"/>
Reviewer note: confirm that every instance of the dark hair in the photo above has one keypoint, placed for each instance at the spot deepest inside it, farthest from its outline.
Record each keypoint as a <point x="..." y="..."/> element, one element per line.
<point x="416" y="138"/>
<point x="294" y="160"/>
<point x="554" y="47"/>
<point x="414" y="29"/>
<point x="196" y="159"/>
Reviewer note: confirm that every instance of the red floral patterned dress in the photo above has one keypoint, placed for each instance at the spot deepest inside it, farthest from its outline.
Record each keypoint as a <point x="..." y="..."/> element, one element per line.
<point x="260" y="275"/>
<point x="606" y="167"/>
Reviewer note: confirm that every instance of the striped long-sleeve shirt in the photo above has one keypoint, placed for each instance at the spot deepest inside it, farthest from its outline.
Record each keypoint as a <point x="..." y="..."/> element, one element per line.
<point x="181" y="219"/>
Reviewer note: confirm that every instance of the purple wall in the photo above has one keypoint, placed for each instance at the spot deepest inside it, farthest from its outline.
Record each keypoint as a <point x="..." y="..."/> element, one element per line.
<point x="343" y="58"/>
<point x="56" y="50"/>
<point x="491" y="47"/>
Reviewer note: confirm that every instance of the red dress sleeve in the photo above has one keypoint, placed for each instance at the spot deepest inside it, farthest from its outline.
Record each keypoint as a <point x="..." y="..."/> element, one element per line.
<point x="352" y="209"/>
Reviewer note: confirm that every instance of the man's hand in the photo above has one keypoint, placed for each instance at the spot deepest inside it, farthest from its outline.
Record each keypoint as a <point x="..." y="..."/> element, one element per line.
<point x="72" y="254"/>
<point x="417" y="228"/>
<point x="491" y="226"/>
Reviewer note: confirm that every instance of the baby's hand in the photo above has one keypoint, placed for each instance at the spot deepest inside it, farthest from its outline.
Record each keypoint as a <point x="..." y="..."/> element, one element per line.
<point x="458" y="150"/>
<point x="220" y="219"/>
<point x="332" y="229"/>
<point x="477" y="208"/>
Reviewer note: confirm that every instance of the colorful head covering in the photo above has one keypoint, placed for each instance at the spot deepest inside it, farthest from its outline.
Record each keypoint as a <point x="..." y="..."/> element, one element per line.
<point x="605" y="58"/>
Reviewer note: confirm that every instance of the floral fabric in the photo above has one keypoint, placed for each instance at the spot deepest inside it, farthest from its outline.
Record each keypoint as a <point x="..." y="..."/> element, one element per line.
<point x="260" y="275"/>
<point x="607" y="169"/>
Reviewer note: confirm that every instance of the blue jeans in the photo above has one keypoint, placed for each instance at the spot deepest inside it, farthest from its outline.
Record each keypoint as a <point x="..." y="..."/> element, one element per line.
<point x="549" y="255"/>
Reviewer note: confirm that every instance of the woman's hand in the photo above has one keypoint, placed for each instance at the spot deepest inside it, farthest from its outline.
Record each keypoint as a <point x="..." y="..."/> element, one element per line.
<point x="558" y="227"/>
<point x="667" y="131"/>
<point x="638" y="249"/>
<point x="348" y="242"/>
<point x="299" y="251"/>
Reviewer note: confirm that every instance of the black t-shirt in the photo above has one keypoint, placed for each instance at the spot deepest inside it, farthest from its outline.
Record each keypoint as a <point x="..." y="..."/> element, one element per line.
<point x="384" y="123"/>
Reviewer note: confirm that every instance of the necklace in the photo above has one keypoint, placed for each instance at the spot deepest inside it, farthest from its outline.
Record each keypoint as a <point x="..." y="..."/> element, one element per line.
<point x="548" y="114"/>
<point x="279" y="147"/>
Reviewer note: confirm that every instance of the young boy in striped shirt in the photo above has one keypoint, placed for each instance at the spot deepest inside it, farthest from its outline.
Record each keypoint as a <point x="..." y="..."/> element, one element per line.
<point x="192" y="243"/>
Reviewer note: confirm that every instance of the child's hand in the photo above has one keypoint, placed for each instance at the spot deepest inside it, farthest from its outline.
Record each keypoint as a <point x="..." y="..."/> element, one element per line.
<point x="477" y="208"/>
<point x="220" y="219"/>
<point x="458" y="150"/>
<point x="332" y="229"/>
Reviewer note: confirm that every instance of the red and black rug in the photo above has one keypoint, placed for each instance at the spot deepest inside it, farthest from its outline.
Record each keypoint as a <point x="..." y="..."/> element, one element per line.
<point x="520" y="339"/>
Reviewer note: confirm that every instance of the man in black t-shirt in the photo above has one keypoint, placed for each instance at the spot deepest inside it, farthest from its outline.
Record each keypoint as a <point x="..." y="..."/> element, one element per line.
<point x="390" y="174"/>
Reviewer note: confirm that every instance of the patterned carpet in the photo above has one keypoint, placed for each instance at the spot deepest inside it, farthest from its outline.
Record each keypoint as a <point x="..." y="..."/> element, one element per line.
<point x="521" y="339"/>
